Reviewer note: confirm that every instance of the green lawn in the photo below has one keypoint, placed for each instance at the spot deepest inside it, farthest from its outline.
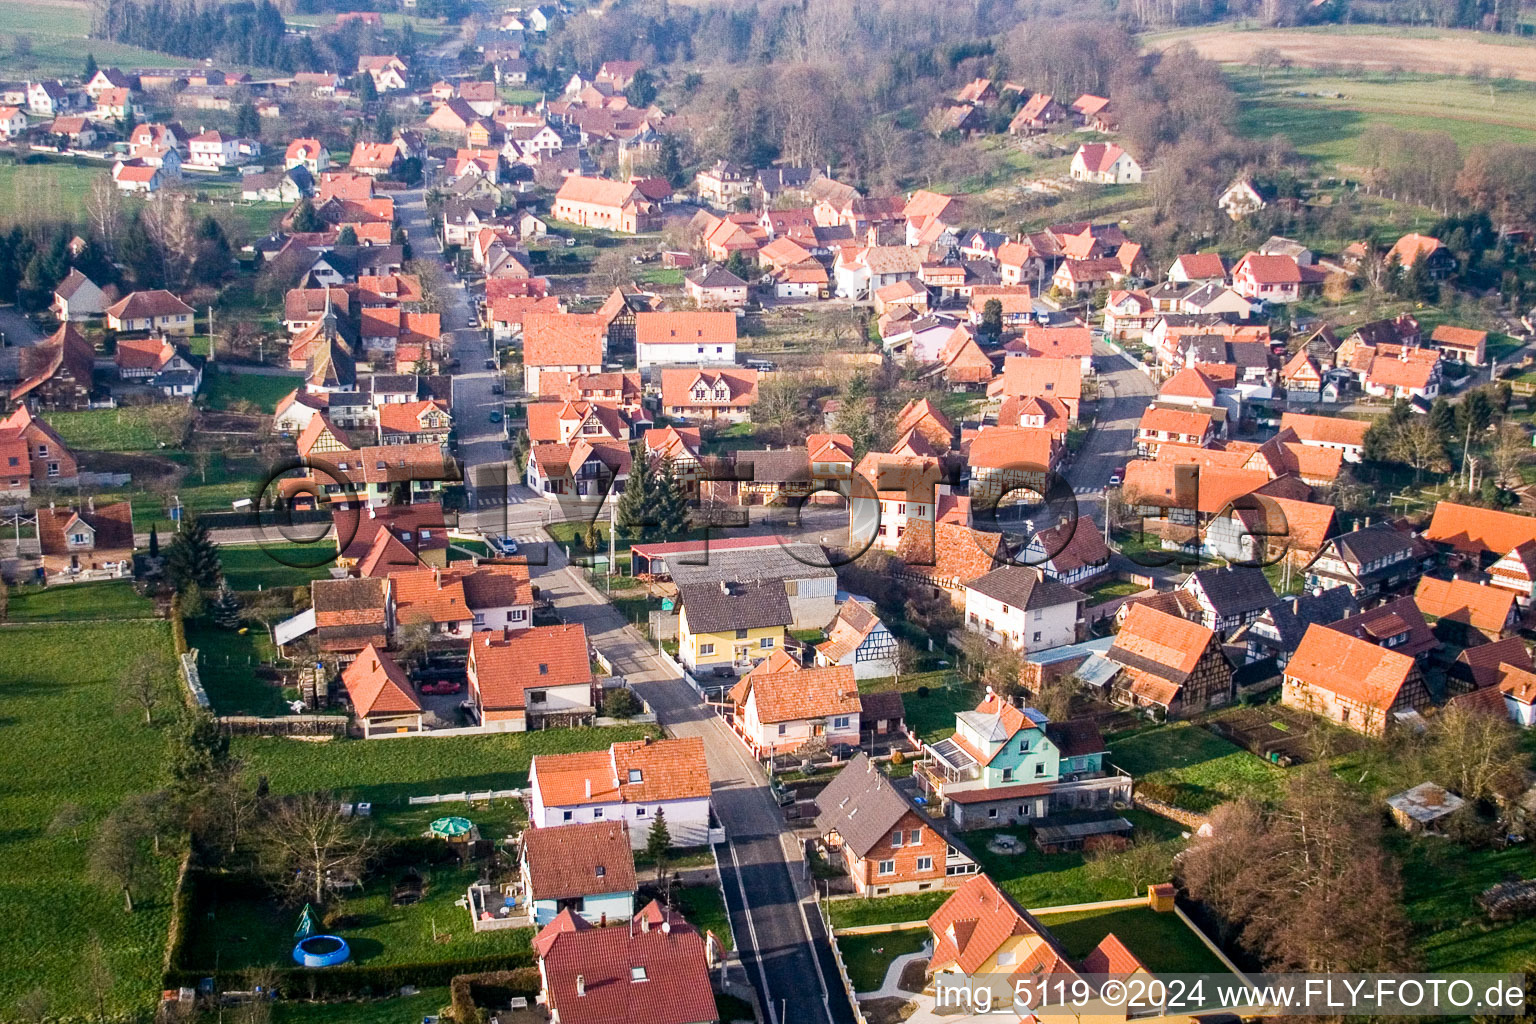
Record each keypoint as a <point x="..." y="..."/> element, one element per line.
<point x="65" y="742"/>
<point x="1441" y="881"/>
<point x="399" y="1010"/>
<point x="704" y="907"/>
<point x="264" y="566"/>
<point x="868" y="957"/>
<point x="58" y="31"/>
<point x="236" y="926"/>
<point x="931" y="716"/>
<point x="224" y="388"/>
<point x="1112" y="589"/>
<point x="128" y="429"/>
<point x="226" y="666"/>
<point x="1202" y="769"/>
<point x="1325" y="116"/>
<point x="45" y="191"/>
<point x="388" y="771"/>
<point x="1161" y="941"/>
<point x="112" y="600"/>
<point x="660" y="277"/>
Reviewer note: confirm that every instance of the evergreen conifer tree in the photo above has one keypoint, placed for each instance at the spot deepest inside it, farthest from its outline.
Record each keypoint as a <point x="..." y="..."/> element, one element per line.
<point x="668" y="504"/>
<point x="193" y="557"/>
<point x="632" y="514"/>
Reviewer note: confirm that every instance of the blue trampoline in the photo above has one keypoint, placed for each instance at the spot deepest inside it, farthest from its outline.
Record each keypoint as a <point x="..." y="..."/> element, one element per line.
<point x="321" y="951"/>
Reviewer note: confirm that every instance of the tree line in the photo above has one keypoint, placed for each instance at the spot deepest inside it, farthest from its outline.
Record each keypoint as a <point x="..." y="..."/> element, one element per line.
<point x="245" y="32"/>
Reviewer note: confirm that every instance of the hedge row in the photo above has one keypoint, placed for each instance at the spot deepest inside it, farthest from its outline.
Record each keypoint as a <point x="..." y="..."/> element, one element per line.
<point x="357" y="980"/>
<point x="467" y="991"/>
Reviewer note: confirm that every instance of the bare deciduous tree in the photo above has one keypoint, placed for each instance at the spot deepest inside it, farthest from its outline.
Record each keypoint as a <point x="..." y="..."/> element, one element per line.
<point x="306" y="844"/>
<point x="1511" y="449"/>
<point x="1477" y="755"/>
<point x="1417" y="445"/>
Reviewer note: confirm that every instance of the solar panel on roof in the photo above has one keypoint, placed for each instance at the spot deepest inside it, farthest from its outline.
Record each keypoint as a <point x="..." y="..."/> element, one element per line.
<point x="950" y="752"/>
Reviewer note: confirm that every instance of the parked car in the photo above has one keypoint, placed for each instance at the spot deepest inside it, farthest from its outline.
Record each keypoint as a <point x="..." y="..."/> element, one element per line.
<point x="501" y="544"/>
<point x="442" y="686"/>
<point x="495" y="417"/>
<point x="1117" y="478"/>
<point x="498" y="389"/>
<point x="490" y="364"/>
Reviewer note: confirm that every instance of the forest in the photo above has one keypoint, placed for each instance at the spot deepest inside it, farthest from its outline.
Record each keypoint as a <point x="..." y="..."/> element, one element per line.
<point x="249" y="33"/>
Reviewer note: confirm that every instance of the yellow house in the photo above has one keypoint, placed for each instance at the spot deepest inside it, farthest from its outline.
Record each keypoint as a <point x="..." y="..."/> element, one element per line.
<point x="728" y="627"/>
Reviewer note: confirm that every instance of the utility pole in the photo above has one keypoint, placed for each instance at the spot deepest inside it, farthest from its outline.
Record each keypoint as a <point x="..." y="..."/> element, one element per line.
<point x="213" y="348"/>
<point x="613" y="522"/>
<point x="1465" y="451"/>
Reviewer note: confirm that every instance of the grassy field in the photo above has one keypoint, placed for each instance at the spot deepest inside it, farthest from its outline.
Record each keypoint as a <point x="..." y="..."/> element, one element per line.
<point x="375" y="1011"/>
<point x="57" y="31"/>
<point x="1441" y="881"/>
<point x="1203" y="769"/>
<point x="244" y="927"/>
<point x="58" y="704"/>
<point x="127" y="429"/>
<point x="265" y="566"/>
<point x="704" y="908"/>
<point x="223" y="388"/>
<point x="931" y="716"/>
<point x="226" y="666"/>
<point x="1384" y="48"/>
<point x="1162" y="942"/>
<point x="387" y="771"/>
<point x="869" y="956"/>
<point x="112" y="600"/>
<point x="45" y="191"/>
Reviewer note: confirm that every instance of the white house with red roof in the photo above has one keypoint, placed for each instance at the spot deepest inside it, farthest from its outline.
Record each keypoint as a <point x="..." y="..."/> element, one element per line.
<point x="12" y="122"/>
<point x="685" y="339"/>
<point x="780" y="712"/>
<point x="654" y="969"/>
<point x="531" y="678"/>
<point x="1267" y="278"/>
<point x="213" y="150"/>
<point x="307" y="153"/>
<point x="630" y="781"/>
<point x="1104" y="163"/>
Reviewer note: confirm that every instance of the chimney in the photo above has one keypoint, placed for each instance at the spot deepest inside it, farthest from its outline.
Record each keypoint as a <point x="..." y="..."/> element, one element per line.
<point x="581" y="986"/>
<point x="645" y="925"/>
<point x="1295" y="606"/>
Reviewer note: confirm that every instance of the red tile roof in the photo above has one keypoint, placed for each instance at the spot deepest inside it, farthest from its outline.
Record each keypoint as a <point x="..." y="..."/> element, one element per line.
<point x="798" y="695"/>
<point x="642" y="974"/>
<point x="505" y="665"/>
<point x="1352" y="668"/>
<point x="1474" y="530"/>
<point x="376" y="685"/>
<point x="585" y="859"/>
<point x="562" y="339"/>
<point x="1484" y="608"/>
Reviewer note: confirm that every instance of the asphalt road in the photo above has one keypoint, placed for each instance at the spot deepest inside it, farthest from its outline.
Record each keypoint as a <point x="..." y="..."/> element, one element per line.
<point x="772" y="900"/>
<point x="772" y="928"/>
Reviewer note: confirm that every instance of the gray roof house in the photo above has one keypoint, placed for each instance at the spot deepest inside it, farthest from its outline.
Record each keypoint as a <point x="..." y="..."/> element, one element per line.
<point x="808" y="583"/>
<point x="1279" y="628"/>
<point x="1230" y="596"/>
